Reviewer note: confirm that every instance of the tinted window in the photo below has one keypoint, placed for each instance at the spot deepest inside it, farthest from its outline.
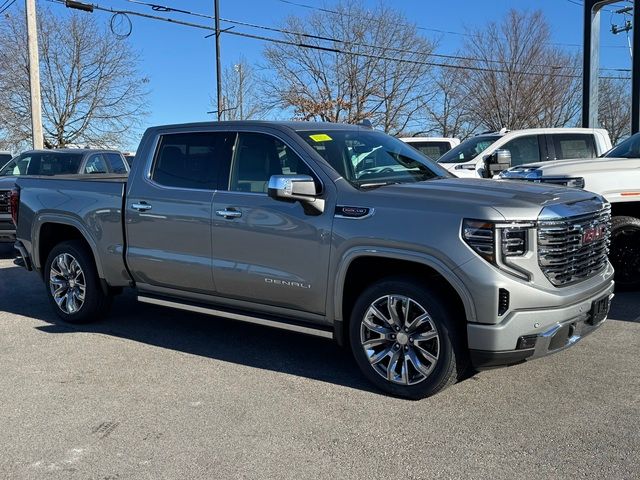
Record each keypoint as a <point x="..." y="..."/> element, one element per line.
<point x="258" y="156"/>
<point x="192" y="160"/>
<point x="433" y="150"/>
<point x="95" y="164"/>
<point x="43" y="163"/>
<point x="573" y="145"/>
<point x="523" y="150"/>
<point x="469" y="149"/>
<point x="116" y="163"/>
<point x="630" y="148"/>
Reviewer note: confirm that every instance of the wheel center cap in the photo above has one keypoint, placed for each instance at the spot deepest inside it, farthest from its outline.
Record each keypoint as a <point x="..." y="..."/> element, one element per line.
<point x="72" y="283"/>
<point x="402" y="338"/>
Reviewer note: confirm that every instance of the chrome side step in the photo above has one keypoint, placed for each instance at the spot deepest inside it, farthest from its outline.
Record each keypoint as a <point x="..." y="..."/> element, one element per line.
<point x="319" y="332"/>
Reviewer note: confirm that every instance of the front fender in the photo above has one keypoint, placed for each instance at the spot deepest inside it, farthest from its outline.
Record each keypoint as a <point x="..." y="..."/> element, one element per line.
<point x="397" y="254"/>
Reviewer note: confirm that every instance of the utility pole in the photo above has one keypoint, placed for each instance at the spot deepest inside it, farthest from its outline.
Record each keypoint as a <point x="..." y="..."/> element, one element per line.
<point x="216" y="8"/>
<point x="240" y="88"/>
<point x="34" y="74"/>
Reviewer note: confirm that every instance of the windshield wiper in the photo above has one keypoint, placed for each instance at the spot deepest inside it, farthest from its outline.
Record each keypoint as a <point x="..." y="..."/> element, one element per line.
<point x="377" y="184"/>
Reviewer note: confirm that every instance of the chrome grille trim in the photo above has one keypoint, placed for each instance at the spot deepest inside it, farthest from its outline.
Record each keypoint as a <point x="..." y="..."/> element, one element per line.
<point x="562" y="256"/>
<point x="4" y="201"/>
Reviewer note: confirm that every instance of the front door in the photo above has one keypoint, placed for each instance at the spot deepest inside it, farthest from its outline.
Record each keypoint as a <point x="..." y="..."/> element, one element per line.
<point x="168" y="213"/>
<point x="265" y="250"/>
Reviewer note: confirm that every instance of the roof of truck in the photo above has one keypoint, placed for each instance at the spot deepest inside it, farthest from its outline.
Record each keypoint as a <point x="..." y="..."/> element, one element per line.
<point x="295" y="125"/>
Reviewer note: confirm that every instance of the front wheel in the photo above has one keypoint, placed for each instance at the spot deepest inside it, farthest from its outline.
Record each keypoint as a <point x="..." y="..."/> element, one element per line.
<point x="72" y="283"/>
<point x="625" y="251"/>
<point x="404" y="339"/>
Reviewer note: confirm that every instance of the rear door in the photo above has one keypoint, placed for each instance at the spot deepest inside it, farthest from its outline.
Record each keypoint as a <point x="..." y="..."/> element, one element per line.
<point x="268" y="251"/>
<point x="169" y="209"/>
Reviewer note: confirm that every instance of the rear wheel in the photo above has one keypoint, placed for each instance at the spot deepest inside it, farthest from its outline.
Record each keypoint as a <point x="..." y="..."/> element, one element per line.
<point x="625" y="251"/>
<point x="72" y="283"/>
<point x="404" y="340"/>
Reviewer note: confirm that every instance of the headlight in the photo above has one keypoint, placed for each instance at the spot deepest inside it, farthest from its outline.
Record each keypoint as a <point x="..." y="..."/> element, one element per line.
<point x="575" y="182"/>
<point x="499" y="243"/>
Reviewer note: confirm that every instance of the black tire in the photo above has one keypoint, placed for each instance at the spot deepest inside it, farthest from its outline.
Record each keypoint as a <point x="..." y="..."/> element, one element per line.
<point x="451" y="361"/>
<point x="95" y="304"/>
<point x="624" y="252"/>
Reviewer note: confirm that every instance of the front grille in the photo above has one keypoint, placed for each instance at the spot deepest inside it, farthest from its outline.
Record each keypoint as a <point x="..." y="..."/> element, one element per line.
<point x="4" y="201"/>
<point x="568" y="249"/>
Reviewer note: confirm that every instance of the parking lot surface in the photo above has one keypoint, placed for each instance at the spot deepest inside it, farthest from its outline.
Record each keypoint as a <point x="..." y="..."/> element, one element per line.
<point x="154" y="393"/>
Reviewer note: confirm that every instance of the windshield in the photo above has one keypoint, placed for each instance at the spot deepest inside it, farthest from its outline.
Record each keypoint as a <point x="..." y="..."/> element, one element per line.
<point x="369" y="158"/>
<point x="43" y="163"/>
<point x="630" y="148"/>
<point x="469" y="149"/>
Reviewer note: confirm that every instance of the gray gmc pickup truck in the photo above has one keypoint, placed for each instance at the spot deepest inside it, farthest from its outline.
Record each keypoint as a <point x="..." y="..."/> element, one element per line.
<point x="331" y="229"/>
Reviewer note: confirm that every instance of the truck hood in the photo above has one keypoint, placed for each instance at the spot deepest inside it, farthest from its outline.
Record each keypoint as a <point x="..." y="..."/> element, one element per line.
<point x="513" y="200"/>
<point x="572" y="167"/>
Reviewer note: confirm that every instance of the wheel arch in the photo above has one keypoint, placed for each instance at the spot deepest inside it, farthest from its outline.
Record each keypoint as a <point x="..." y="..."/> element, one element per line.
<point x="390" y="262"/>
<point x="50" y="230"/>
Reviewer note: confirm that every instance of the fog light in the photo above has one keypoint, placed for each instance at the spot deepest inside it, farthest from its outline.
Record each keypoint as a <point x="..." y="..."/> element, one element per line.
<point x="527" y="341"/>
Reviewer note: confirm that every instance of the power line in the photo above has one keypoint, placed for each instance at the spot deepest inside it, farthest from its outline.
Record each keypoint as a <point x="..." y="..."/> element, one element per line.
<point x="164" y="8"/>
<point x="328" y="49"/>
<point x="448" y="32"/>
<point x="4" y="9"/>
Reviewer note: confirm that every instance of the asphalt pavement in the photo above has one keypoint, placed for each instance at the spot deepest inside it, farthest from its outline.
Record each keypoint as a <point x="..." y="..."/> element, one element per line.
<point x="153" y="393"/>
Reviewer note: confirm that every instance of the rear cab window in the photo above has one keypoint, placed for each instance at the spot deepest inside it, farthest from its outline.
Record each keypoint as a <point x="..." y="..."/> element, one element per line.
<point x="116" y="163"/>
<point x="573" y="145"/>
<point x="433" y="150"/>
<point x="192" y="160"/>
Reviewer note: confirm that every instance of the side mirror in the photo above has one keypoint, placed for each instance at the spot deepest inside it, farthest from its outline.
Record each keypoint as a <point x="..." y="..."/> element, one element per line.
<point x="296" y="187"/>
<point x="497" y="162"/>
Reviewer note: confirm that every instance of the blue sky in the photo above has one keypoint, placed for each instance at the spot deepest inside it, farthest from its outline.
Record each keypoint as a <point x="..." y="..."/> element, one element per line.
<point x="180" y="61"/>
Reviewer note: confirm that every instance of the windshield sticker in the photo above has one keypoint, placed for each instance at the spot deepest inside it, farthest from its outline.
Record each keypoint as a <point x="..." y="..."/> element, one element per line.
<point x="320" y="137"/>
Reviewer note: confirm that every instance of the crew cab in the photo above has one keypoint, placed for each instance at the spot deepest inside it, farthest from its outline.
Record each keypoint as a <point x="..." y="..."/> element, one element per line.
<point x="52" y="162"/>
<point x="432" y="147"/>
<point x="472" y="158"/>
<point x="615" y="176"/>
<point x="306" y="226"/>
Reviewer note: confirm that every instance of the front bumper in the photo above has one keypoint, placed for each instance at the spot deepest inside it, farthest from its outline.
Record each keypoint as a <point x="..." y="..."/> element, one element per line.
<point x="553" y="330"/>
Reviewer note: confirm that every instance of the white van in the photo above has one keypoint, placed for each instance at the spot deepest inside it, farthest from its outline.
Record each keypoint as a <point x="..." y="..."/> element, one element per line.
<point x="432" y="147"/>
<point x="469" y="159"/>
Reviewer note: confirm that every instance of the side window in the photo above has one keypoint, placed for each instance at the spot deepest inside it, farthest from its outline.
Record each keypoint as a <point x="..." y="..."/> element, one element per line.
<point x="574" y="145"/>
<point x="523" y="150"/>
<point x="192" y="160"/>
<point x="257" y="157"/>
<point x="116" y="163"/>
<point x="95" y="164"/>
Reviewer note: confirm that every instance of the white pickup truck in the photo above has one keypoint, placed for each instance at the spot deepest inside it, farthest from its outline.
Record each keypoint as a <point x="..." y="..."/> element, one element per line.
<point x="615" y="176"/>
<point x="472" y="157"/>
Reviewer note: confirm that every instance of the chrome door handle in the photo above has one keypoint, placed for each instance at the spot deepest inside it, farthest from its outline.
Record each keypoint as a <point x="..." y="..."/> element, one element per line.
<point x="229" y="213"/>
<point x="141" y="207"/>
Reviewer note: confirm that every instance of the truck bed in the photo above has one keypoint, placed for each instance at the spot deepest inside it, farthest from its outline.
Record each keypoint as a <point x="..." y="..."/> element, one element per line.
<point x="92" y="204"/>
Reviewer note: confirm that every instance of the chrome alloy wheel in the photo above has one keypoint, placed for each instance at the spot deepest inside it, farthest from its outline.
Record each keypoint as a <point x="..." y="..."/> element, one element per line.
<point x="67" y="283"/>
<point x="400" y="339"/>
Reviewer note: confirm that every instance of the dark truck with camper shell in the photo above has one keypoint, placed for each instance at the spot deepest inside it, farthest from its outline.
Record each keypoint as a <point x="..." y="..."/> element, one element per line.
<point x="331" y="229"/>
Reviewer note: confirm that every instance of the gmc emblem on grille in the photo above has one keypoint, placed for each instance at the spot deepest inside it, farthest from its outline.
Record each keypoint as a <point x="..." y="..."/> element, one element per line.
<point x="591" y="234"/>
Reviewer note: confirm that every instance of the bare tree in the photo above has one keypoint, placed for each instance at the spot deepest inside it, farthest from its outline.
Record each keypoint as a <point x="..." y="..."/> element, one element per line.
<point x="366" y="64"/>
<point x="240" y="92"/>
<point x="91" y="91"/>
<point x="614" y="112"/>
<point x="516" y="78"/>
<point x="447" y="113"/>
